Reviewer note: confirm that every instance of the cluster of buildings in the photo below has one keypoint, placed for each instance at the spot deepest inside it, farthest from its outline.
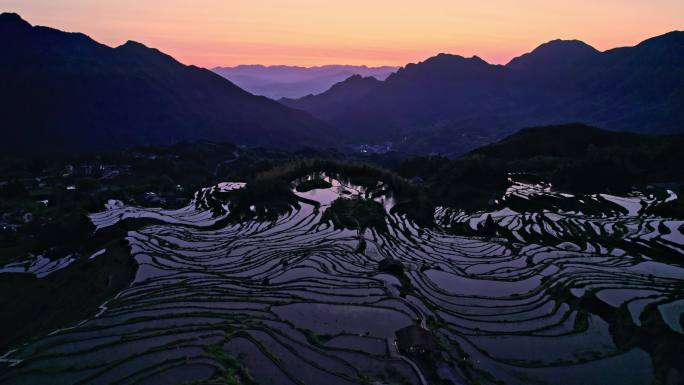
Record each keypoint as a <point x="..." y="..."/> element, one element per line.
<point x="25" y="194"/>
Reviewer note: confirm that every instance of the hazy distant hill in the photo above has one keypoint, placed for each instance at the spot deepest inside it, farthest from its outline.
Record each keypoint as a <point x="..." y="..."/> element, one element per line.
<point x="65" y="92"/>
<point x="449" y="103"/>
<point x="278" y="82"/>
<point x="335" y="99"/>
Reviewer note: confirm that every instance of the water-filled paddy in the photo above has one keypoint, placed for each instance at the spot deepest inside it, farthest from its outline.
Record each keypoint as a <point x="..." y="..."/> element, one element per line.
<point x="297" y="301"/>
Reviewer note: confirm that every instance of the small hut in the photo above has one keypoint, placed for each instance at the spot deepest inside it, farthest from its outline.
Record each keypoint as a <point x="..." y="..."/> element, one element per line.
<point x="414" y="340"/>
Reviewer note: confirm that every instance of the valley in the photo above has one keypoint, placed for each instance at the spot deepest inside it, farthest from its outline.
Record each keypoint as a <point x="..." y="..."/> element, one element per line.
<point x="260" y="283"/>
<point x="403" y="217"/>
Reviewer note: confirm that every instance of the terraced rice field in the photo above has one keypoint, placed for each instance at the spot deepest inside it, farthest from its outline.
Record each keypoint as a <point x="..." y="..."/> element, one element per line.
<point x="298" y="301"/>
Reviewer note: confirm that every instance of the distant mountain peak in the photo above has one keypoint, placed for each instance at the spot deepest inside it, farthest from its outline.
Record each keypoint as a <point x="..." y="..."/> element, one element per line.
<point x="441" y="67"/>
<point x="337" y="96"/>
<point x="296" y="82"/>
<point x="139" y="50"/>
<point x="444" y="62"/>
<point x="670" y="38"/>
<point x="64" y="92"/>
<point x="553" y="53"/>
<point x="452" y="58"/>
<point x="359" y="78"/>
<point x="132" y="44"/>
<point x="565" y="44"/>
<point x="365" y="82"/>
<point x="12" y="20"/>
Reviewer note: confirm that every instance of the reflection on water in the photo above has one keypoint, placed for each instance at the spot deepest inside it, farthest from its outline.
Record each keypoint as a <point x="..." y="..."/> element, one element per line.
<point x="298" y="302"/>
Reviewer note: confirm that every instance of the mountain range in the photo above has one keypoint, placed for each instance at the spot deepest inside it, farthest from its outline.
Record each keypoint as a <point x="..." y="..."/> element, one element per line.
<point x="65" y="92"/>
<point x="451" y="104"/>
<point x="337" y="99"/>
<point x="282" y="81"/>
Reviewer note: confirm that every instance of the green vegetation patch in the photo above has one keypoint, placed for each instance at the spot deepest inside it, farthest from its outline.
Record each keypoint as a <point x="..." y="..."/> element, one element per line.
<point x="39" y="306"/>
<point x="313" y="184"/>
<point x="574" y="158"/>
<point x="356" y="213"/>
<point x="231" y="372"/>
<point x="316" y="339"/>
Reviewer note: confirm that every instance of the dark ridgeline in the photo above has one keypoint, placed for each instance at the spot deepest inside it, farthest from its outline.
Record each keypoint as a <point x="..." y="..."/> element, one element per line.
<point x="283" y="81"/>
<point x="574" y="158"/>
<point x="449" y="103"/>
<point x="337" y="99"/>
<point x="581" y="158"/>
<point x="64" y="92"/>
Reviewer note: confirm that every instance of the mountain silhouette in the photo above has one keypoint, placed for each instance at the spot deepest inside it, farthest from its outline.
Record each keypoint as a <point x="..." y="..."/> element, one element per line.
<point x="336" y="98"/>
<point x="281" y="81"/>
<point x="66" y="92"/>
<point x="554" y="54"/>
<point x="451" y="104"/>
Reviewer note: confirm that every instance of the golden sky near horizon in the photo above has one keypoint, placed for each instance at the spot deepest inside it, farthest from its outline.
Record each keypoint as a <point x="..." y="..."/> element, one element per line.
<point x="212" y="33"/>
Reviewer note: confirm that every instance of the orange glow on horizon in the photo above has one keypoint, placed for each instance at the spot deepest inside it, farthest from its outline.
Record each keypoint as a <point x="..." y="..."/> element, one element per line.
<point x="212" y="33"/>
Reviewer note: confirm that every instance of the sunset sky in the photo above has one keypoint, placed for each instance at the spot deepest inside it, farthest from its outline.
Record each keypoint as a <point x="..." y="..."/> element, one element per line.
<point x="374" y="32"/>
